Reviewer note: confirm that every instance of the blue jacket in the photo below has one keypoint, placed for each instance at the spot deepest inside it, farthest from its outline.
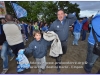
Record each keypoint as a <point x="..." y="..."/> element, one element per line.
<point x="62" y="30"/>
<point x="78" y="26"/>
<point x="96" y="25"/>
<point x="38" y="48"/>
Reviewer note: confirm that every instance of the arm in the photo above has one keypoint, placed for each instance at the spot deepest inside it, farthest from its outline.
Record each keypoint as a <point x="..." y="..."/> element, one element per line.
<point x="84" y="21"/>
<point x="75" y="22"/>
<point x="51" y="27"/>
<point x="49" y="43"/>
<point x="29" y="49"/>
<point x="72" y="18"/>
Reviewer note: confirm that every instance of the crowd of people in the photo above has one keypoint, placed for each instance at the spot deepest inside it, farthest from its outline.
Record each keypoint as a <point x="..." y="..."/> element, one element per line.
<point x="14" y="34"/>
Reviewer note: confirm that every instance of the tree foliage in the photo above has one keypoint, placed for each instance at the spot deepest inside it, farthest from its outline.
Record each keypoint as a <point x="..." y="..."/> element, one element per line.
<point x="46" y="9"/>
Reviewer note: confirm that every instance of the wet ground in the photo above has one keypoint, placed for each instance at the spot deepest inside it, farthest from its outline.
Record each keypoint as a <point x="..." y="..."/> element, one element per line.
<point x="72" y="62"/>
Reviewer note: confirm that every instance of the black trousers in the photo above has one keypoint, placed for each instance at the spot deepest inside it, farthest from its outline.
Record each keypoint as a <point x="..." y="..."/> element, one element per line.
<point x="64" y="48"/>
<point x="17" y="47"/>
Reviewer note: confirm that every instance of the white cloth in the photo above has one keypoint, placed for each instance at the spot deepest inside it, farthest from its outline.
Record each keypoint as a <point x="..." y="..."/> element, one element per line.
<point x="56" y="48"/>
<point x="13" y="33"/>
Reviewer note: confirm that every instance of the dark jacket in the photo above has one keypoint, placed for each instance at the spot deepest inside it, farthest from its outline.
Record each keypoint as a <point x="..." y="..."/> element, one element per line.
<point x="2" y="35"/>
<point x="62" y="30"/>
<point x="38" y="48"/>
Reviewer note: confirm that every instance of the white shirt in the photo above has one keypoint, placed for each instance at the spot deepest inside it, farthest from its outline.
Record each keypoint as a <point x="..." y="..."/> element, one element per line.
<point x="13" y="34"/>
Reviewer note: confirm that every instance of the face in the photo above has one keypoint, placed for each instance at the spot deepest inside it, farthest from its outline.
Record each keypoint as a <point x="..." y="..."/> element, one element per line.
<point x="60" y="15"/>
<point x="37" y="36"/>
<point x="35" y="23"/>
<point x="22" y="22"/>
<point x="80" y="20"/>
<point x="45" y="24"/>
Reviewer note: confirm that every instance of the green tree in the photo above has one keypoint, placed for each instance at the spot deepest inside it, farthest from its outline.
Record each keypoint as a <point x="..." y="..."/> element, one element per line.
<point x="47" y="9"/>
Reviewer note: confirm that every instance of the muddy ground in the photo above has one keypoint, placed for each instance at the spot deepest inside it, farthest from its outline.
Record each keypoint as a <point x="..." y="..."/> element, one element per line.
<point x="72" y="61"/>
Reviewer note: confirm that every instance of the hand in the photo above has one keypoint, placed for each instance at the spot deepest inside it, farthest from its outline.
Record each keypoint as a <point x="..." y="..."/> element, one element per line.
<point x="92" y="15"/>
<point x="0" y="47"/>
<point x="57" y="40"/>
<point x="66" y="14"/>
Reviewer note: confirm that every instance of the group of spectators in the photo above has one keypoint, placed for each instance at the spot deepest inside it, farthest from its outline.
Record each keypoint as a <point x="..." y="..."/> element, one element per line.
<point x="14" y="34"/>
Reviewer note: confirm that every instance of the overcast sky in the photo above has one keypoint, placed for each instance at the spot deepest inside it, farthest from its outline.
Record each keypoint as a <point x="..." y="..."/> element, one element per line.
<point x="88" y="7"/>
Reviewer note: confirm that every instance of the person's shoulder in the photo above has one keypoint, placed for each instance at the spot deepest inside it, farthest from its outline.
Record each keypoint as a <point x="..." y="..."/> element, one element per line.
<point x="43" y="39"/>
<point x="33" y="42"/>
<point x="4" y="25"/>
<point x="55" y="21"/>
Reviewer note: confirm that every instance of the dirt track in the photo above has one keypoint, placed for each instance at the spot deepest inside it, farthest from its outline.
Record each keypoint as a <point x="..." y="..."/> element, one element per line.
<point x="74" y="54"/>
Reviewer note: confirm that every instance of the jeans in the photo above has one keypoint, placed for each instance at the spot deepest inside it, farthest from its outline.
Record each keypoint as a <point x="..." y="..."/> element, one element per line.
<point x="76" y="38"/>
<point x="26" y="33"/>
<point x="31" y="32"/>
<point x="91" y="58"/>
<point x="10" y="53"/>
<point x="84" y="35"/>
<point x="4" y="55"/>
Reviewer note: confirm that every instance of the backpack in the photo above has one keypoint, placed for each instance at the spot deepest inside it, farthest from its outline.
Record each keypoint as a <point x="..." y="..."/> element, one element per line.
<point x="96" y="49"/>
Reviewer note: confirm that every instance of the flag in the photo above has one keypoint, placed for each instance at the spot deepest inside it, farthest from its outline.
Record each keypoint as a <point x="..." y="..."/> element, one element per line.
<point x="20" y="12"/>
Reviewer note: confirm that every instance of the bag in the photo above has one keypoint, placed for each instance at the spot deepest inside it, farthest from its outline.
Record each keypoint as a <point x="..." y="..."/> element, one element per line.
<point x="96" y="49"/>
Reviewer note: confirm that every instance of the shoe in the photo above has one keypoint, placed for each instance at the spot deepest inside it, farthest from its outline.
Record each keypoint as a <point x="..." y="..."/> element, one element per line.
<point x="39" y="72"/>
<point x="12" y="58"/>
<point x="4" y="71"/>
<point x="88" y="72"/>
<point x="58" y="70"/>
<point x="43" y="71"/>
<point x="25" y="71"/>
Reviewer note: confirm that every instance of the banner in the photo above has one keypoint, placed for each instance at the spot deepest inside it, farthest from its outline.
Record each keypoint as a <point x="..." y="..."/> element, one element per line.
<point x="2" y="9"/>
<point x="20" y="12"/>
